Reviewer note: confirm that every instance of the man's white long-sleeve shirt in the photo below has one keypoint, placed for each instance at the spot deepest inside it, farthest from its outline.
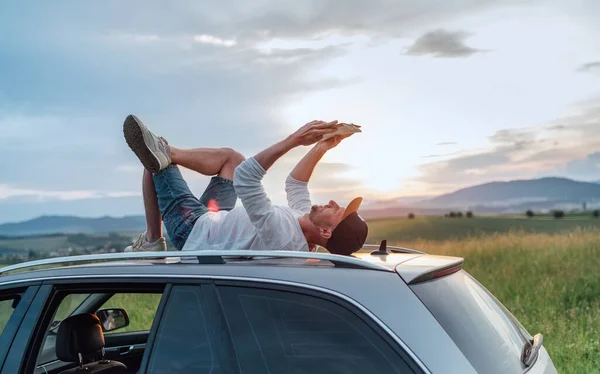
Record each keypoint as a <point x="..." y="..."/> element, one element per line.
<point x="257" y="224"/>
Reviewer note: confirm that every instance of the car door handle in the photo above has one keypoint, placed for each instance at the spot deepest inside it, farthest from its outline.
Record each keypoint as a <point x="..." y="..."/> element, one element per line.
<point x="125" y="350"/>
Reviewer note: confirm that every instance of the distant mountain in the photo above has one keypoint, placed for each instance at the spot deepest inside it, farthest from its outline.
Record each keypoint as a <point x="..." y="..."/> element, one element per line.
<point x="548" y="191"/>
<point x="497" y="197"/>
<point x="70" y="225"/>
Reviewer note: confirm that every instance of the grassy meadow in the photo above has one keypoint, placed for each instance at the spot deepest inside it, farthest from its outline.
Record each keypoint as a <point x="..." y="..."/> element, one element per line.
<point x="544" y="271"/>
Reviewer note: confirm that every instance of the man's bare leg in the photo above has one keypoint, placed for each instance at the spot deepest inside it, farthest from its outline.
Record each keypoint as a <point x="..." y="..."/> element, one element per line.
<point x="153" y="216"/>
<point x="208" y="161"/>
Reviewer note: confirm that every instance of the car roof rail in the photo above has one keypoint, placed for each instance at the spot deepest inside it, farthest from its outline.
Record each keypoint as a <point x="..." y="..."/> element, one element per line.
<point x="203" y="257"/>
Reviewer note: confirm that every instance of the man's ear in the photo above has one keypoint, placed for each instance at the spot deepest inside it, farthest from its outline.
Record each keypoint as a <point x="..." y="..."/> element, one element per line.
<point x="326" y="233"/>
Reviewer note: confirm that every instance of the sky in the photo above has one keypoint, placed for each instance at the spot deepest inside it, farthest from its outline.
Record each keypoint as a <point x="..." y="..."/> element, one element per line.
<point x="449" y="94"/>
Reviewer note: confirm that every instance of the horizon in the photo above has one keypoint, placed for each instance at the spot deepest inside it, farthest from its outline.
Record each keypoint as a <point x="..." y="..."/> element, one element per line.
<point x="448" y="96"/>
<point x="371" y="209"/>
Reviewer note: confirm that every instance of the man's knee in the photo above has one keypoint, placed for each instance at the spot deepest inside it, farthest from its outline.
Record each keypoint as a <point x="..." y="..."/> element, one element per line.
<point x="234" y="158"/>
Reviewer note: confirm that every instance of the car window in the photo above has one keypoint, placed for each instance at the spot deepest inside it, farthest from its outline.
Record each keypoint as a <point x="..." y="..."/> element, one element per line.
<point x="68" y="305"/>
<point x="277" y="331"/>
<point x="486" y="333"/>
<point x="141" y="309"/>
<point x="7" y="308"/>
<point x="192" y="335"/>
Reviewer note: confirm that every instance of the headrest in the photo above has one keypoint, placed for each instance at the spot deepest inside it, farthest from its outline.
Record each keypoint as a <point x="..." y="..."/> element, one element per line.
<point x="81" y="333"/>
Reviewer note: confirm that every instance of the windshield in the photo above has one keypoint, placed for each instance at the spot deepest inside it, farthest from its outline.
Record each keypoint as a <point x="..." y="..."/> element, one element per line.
<point x="487" y="334"/>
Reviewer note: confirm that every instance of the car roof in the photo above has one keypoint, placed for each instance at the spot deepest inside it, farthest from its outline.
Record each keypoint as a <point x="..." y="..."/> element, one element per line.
<point x="370" y="257"/>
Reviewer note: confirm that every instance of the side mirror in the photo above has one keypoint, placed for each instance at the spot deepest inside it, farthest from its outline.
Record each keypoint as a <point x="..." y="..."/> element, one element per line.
<point x="113" y="319"/>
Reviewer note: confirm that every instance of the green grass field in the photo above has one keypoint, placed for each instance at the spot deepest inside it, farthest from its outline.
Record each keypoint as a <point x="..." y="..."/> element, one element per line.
<point x="548" y="279"/>
<point x="440" y="228"/>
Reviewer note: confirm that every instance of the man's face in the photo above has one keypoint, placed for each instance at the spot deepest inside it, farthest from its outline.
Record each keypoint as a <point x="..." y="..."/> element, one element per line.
<point x="326" y="216"/>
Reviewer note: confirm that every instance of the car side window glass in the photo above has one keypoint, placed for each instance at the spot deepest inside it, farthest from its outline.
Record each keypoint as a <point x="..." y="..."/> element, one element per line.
<point x="7" y="308"/>
<point x="192" y="335"/>
<point x="141" y="309"/>
<point x="285" y="332"/>
<point x="68" y="305"/>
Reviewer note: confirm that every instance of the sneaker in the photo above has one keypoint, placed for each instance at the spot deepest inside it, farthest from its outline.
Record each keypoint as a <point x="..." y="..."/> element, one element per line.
<point x="143" y="245"/>
<point x="153" y="151"/>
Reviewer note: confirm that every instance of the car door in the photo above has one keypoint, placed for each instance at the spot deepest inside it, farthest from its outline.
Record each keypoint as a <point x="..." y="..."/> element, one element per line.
<point x="14" y="303"/>
<point x="124" y="344"/>
<point x="250" y="327"/>
<point x="28" y="352"/>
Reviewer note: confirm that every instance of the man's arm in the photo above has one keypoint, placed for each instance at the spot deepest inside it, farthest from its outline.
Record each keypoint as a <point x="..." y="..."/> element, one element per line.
<point x="296" y="184"/>
<point x="304" y="169"/>
<point x="247" y="179"/>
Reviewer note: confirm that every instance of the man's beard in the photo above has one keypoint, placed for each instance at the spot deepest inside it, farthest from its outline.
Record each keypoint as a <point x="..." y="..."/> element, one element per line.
<point x="314" y="211"/>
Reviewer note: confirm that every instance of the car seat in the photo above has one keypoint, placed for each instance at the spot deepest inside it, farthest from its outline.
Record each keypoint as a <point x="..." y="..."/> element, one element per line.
<point x="80" y="340"/>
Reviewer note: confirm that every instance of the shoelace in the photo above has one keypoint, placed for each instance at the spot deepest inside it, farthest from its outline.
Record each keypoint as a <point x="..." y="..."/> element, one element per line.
<point x="138" y="243"/>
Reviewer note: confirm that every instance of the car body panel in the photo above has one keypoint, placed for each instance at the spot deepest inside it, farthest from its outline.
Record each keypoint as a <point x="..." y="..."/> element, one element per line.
<point x="415" y="268"/>
<point x="382" y="293"/>
<point x="543" y="364"/>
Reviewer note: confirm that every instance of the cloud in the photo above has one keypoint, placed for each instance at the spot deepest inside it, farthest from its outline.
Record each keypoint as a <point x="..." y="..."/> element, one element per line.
<point x="432" y="156"/>
<point x="214" y="40"/>
<point x="316" y="19"/>
<point x="249" y="22"/>
<point x="525" y="153"/>
<point x="446" y="143"/>
<point x="137" y="38"/>
<point x="587" y="168"/>
<point x="590" y="67"/>
<point x="442" y="43"/>
<point x="8" y="192"/>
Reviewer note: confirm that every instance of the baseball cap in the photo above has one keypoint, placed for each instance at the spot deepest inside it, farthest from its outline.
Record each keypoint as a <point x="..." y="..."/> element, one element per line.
<point x="351" y="233"/>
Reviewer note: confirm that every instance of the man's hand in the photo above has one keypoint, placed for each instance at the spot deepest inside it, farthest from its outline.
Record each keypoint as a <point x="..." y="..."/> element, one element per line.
<point x="308" y="134"/>
<point x="332" y="142"/>
<point x="312" y="132"/>
<point x="303" y="171"/>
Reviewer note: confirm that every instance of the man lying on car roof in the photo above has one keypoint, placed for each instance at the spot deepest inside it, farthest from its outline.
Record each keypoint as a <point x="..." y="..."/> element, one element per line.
<point x="213" y="222"/>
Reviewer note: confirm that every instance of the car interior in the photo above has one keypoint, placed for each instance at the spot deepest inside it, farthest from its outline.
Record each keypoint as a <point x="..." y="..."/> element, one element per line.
<point x="86" y="336"/>
<point x="80" y="340"/>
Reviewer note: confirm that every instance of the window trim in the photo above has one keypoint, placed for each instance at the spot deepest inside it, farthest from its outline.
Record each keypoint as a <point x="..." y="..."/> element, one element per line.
<point x="27" y="294"/>
<point x="154" y="328"/>
<point x="193" y="278"/>
<point x="27" y="331"/>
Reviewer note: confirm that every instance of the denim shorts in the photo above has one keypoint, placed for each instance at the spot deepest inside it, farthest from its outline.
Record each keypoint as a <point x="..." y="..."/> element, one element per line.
<point x="180" y="208"/>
